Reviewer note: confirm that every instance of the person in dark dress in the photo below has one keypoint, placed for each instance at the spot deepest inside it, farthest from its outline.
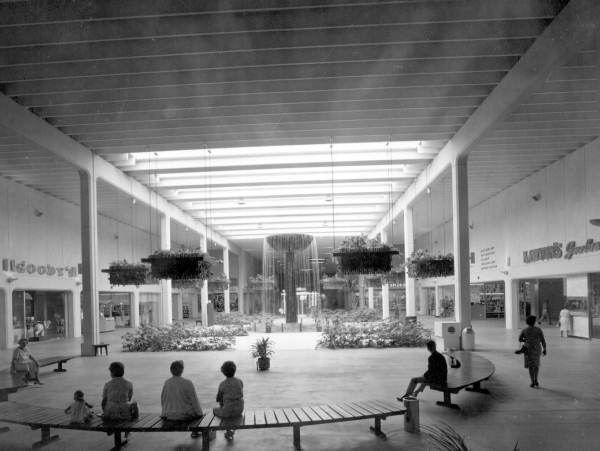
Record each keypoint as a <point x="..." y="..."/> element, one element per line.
<point x="437" y="373"/>
<point x="533" y="340"/>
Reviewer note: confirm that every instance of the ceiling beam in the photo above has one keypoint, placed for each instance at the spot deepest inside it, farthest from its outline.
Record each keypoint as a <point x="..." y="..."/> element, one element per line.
<point x="577" y="23"/>
<point x="18" y="120"/>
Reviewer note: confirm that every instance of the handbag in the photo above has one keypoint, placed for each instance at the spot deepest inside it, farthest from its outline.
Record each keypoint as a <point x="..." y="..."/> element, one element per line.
<point x="134" y="410"/>
<point x="21" y="367"/>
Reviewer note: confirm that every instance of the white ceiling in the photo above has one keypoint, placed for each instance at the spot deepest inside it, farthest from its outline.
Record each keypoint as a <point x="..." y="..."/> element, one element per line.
<point x="212" y="104"/>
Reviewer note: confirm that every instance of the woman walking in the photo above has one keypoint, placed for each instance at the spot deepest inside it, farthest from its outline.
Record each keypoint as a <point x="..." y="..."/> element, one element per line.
<point x="534" y="342"/>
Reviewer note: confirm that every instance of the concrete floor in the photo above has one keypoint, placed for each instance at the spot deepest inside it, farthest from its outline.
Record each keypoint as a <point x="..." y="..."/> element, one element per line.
<point x="564" y="414"/>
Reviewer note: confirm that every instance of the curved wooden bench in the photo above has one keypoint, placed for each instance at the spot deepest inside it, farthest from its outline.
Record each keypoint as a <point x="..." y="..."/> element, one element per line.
<point x="46" y="418"/>
<point x="473" y="370"/>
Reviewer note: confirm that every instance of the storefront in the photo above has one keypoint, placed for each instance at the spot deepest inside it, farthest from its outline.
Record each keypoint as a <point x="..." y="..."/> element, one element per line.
<point x="149" y="308"/>
<point x="38" y="315"/>
<point x="116" y="305"/>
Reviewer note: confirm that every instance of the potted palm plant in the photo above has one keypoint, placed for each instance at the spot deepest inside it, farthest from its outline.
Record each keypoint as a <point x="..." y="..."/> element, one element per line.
<point x="263" y="349"/>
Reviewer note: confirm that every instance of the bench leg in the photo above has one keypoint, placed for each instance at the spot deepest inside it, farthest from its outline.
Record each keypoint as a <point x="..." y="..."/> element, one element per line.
<point x="478" y="389"/>
<point x="46" y="438"/>
<point x="60" y="369"/>
<point x="297" y="437"/>
<point x="447" y="402"/>
<point x="376" y="429"/>
<point x="205" y="439"/>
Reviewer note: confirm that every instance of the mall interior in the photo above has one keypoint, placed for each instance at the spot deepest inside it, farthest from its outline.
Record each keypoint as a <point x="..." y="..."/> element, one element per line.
<point x="466" y="128"/>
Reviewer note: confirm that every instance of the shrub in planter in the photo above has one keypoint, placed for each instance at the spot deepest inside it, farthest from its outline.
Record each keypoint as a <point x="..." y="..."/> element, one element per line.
<point x="334" y="283"/>
<point x="360" y="255"/>
<point x="218" y="282"/>
<point x="149" y="338"/>
<point x="381" y="334"/>
<point x="123" y="273"/>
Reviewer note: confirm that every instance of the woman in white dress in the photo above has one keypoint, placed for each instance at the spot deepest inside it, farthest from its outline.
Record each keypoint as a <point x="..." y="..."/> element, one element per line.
<point x="564" y="318"/>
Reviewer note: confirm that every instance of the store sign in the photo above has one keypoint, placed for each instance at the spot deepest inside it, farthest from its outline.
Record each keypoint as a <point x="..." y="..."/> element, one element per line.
<point x="24" y="267"/>
<point x="556" y="251"/>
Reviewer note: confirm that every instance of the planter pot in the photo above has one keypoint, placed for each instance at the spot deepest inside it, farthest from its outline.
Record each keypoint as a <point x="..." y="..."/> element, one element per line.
<point x="127" y="274"/>
<point x="177" y="266"/>
<point x="263" y="364"/>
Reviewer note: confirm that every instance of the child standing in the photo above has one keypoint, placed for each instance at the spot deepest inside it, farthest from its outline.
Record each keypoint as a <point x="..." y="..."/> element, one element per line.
<point x="79" y="410"/>
<point x="230" y="396"/>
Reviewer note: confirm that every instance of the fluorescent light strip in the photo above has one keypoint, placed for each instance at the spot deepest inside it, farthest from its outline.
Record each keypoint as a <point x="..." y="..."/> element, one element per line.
<point x="312" y="218"/>
<point x="290" y="202"/>
<point x="316" y="233"/>
<point x="278" y="225"/>
<point x="325" y="209"/>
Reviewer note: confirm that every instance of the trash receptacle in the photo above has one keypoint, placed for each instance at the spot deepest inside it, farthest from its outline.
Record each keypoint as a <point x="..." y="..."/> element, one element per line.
<point x="411" y="417"/>
<point x="468" y="339"/>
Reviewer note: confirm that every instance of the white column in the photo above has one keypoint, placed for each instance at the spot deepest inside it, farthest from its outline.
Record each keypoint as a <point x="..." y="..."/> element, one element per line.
<point x="178" y="307"/>
<point x="438" y="300"/>
<point x="242" y="279"/>
<point x="371" y="297"/>
<point x="89" y="258"/>
<point x="511" y="303"/>
<point x="226" y="271"/>
<point x="409" y="248"/>
<point x="195" y="309"/>
<point x="460" y="229"/>
<point x="204" y="290"/>
<point x="385" y="288"/>
<point x="166" y="291"/>
<point x="6" y="341"/>
<point x="73" y="313"/>
<point x="134" y="310"/>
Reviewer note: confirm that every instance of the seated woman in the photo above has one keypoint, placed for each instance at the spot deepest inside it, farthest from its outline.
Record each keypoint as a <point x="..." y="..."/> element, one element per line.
<point x="117" y="394"/>
<point x="178" y="398"/>
<point x="23" y="362"/>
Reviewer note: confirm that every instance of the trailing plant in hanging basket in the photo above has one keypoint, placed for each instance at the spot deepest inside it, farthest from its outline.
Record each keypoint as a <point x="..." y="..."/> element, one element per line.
<point x="121" y="272"/>
<point x="183" y="264"/>
<point x="422" y="265"/>
<point x="260" y="282"/>
<point x="361" y="255"/>
<point x="218" y="282"/>
<point x="334" y="283"/>
<point x="373" y="281"/>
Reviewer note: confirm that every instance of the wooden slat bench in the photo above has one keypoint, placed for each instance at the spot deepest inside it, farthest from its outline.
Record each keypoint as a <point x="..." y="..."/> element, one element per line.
<point x="473" y="370"/>
<point x="46" y="418"/>
<point x="59" y="360"/>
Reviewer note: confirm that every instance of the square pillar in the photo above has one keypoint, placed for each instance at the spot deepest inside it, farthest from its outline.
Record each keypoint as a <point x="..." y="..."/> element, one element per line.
<point x="242" y="278"/>
<point x="438" y="300"/>
<point x="204" y="290"/>
<point x="73" y="312"/>
<point x="226" y="298"/>
<point x="89" y="259"/>
<point x="371" y="297"/>
<point x="134" y="311"/>
<point x="165" y="310"/>
<point x="385" y="287"/>
<point x="460" y="230"/>
<point x="511" y="303"/>
<point x="6" y="314"/>
<point x="409" y="248"/>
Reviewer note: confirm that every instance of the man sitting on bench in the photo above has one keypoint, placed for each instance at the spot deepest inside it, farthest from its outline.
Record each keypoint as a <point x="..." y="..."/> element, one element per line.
<point x="436" y="374"/>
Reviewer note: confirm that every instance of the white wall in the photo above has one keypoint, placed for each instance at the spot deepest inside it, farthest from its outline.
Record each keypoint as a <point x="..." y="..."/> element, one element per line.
<point x="54" y="238"/>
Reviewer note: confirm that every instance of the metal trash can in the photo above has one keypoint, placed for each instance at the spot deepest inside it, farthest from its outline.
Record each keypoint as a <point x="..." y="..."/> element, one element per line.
<point x="411" y="417"/>
<point x="468" y="339"/>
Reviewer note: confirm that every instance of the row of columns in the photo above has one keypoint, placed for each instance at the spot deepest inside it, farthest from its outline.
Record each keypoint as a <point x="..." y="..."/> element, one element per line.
<point x="460" y="229"/>
<point x="89" y="245"/>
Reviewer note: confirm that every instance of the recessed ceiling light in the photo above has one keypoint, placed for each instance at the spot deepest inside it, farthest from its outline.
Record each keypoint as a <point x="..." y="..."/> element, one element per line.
<point x="241" y="201"/>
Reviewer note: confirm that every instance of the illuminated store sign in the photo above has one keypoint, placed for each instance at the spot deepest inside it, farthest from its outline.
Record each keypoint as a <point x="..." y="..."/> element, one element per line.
<point x="556" y="251"/>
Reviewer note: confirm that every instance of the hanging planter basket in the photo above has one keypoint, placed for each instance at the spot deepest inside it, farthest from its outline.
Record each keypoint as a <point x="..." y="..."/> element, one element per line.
<point x="124" y="273"/>
<point x="361" y="255"/>
<point x="261" y="283"/>
<point x="422" y="265"/>
<point x="218" y="283"/>
<point x="187" y="284"/>
<point x="365" y="261"/>
<point x="393" y="278"/>
<point x="180" y="265"/>
<point x="373" y="282"/>
<point x="334" y="283"/>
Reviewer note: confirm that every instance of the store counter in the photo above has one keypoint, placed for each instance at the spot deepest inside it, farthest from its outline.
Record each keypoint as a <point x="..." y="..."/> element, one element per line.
<point x="106" y="324"/>
<point x="580" y="325"/>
